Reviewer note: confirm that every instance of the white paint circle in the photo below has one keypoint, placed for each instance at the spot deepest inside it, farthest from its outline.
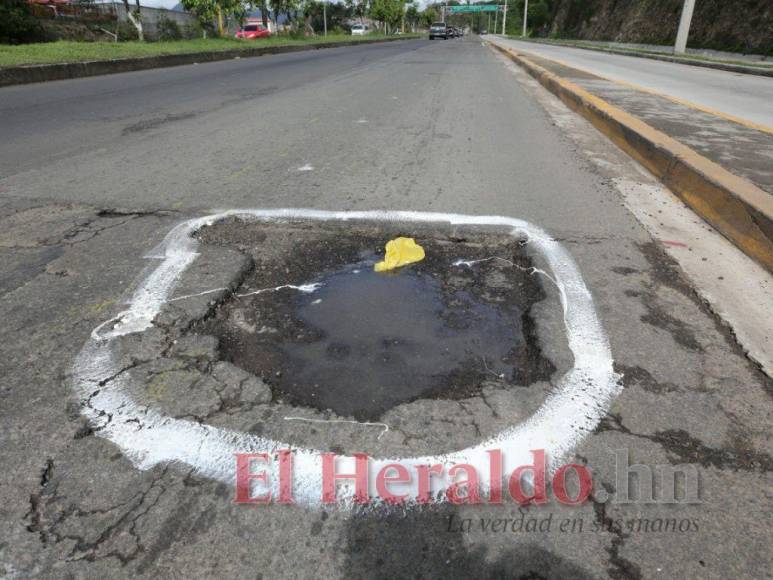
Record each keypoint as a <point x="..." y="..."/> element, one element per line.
<point x="580" y="399"/>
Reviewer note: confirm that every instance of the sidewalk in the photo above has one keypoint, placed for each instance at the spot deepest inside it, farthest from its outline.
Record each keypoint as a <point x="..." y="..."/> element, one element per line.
<point x="657" y="129"/>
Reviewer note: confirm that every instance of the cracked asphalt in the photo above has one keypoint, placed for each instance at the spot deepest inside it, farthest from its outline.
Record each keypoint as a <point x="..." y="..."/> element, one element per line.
<point x="95" y="172"/>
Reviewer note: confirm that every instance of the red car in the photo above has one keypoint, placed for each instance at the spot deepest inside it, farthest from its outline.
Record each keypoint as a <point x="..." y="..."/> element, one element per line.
<point x="252" y="30"/>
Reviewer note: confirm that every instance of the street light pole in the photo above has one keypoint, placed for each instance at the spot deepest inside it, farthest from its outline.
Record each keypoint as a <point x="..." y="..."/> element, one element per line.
<point x="324" y="14"/>
<point x="684" y="27"/>
<point x="525" y="16"/>
<point x="504" y="19"/>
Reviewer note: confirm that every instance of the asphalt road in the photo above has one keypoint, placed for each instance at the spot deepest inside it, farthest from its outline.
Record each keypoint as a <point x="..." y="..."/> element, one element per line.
<point x="741" y="95"/>
<point x="95" y="172"/>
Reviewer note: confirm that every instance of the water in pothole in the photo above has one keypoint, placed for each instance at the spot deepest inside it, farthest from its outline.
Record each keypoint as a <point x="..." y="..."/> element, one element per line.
<point x="386" y="338"/>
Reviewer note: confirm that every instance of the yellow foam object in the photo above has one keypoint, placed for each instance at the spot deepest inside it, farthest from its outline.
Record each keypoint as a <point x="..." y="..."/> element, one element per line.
<point x="399" y="252"/>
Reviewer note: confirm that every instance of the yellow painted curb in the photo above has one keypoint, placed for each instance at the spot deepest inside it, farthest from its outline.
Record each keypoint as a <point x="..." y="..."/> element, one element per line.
<point x="734" y="206"/>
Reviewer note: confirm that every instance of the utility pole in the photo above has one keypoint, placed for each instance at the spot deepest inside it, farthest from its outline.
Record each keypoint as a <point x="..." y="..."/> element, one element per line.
<point x="496" y="19"/>
<point x="525" y="16"/>
<point x="504" y="19"/>
<point x="684" y="27"/>
<point x="324" y="14"/>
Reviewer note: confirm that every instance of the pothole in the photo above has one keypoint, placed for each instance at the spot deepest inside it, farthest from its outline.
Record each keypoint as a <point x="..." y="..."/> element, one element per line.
<point x="323" y="330"/>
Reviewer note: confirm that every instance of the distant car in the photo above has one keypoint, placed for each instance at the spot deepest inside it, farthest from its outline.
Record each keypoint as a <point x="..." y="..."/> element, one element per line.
<point x="484" y="31"/>
<point x="450" y="33"/>
<point x="438" y="30"/>
<point x="458" y="32"/>
<point x="359" y="30"/>
<point x="251" y="31"/>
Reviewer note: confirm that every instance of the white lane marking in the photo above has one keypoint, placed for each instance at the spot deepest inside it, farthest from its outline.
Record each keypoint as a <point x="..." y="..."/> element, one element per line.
<point x="579" y="400"/>
<point x="307" y="167"/>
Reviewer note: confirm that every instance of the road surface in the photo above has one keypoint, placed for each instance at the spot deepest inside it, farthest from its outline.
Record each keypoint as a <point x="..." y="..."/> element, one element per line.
<point x="95" y="172"/>
<point x="741" y="95"/>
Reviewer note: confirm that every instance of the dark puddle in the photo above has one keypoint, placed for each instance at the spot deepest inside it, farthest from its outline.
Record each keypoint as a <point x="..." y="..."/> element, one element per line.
<point x="381" y="339"/>
<point x="364" y="342"/>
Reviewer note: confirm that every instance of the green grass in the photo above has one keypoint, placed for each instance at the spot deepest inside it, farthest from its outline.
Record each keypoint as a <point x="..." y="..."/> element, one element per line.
<point x="66" y="51"/>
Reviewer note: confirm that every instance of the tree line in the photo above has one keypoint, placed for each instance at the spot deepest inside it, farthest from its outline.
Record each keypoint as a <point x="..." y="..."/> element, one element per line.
<point x="305" y="16"/>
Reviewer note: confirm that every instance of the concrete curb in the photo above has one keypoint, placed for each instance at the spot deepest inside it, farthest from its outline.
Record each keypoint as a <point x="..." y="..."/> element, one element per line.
<point x="737" y="208"/>
<point x="736" y="68"/>
<point x="18" y="75"/>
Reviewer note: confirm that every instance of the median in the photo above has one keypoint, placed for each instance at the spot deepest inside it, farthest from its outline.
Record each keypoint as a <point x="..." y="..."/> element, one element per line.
<point x="722" y="175"/>
<point x="30" y="63"/>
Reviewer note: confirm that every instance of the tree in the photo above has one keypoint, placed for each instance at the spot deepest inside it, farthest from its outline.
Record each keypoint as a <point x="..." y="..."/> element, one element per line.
<point x="311" y="9"/>
<point x="429" y="16"/>
<point x="338" y="15"/>
<point x="412" y="15"/>
<point x="263" y="6"/>
<point x="135" y="18"/>
<point x="17" y="24"/>
<point x="390" y="12"/>
<point x="358" y="7"/>
<point x="209" y="10"/>
<point x="283" y="7"/>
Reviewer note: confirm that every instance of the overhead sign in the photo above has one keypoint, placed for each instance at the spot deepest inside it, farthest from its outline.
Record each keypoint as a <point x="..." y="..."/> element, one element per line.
<point x="473" y="8"/>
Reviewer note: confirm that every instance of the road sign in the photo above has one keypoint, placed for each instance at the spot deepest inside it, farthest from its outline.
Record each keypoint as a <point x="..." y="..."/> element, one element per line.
<point x="473" y="8"/>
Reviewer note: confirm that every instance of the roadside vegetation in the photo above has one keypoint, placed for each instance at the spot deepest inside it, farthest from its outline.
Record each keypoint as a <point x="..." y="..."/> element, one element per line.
<point x="68" y="51"/>
<point x="78" y="31"/>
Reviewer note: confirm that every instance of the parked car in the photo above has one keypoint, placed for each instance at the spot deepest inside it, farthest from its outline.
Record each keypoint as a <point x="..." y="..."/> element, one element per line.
<point x="250" y="31"/>
<point x="359" y="30"/>
<point x="438" y="30"/>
